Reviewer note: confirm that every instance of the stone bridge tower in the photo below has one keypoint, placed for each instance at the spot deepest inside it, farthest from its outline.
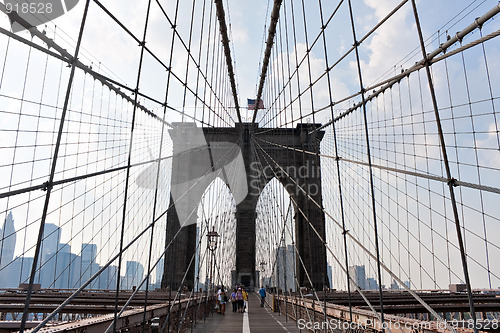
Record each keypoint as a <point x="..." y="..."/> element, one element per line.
<point x="265" y="154"/>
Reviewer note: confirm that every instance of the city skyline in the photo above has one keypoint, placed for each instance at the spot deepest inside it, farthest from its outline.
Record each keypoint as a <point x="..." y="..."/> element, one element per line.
<point x="358" y="275"/>
<point x="58" y="267"/>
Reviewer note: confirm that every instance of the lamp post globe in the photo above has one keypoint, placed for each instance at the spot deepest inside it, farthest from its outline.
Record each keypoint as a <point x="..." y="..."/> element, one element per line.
<point x="212" y="239"/>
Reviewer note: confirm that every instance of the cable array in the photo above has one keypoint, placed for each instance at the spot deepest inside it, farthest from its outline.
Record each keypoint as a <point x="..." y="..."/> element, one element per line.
<point x="88" y="156"/>
<point x="403" y="178"/>
<point x="378" y="149"/>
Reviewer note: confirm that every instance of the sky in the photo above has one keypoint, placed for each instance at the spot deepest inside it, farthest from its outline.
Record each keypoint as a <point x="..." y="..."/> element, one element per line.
<point x="248" y="20"/>
<point x="110" y="51"/>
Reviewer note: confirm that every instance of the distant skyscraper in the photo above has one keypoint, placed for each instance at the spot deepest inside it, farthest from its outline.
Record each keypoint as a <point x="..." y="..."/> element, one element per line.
<point x="8" y="276"/>
<point x="17" y="272"/>
<point x="7" y="241"/>
<point x="371" y="284"/>
<point x="75" y="271"/>
<point x="51" y="239"/>
<point x="357" y="273"/>
<point x="133" y="275"/>
<point x="48" y="257"/>
<point x="13" y="271"/>
<point x="89" y="252"/>
<point x="89" y="265"/>
<point x="394" y="285"/>
<point x="63" y="260"/>
<point x="329" y="272"/>
<point x="284" y="269"/>
<point x="290" y="271"/>
<point x="196" y="262"/>
<point x="159" y="272"/>
<point x="25" y="271"/>
<point x="107" y="279"/>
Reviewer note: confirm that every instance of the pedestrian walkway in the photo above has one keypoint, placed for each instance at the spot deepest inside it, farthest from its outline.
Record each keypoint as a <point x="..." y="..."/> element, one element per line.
<point x="255" y="319"/>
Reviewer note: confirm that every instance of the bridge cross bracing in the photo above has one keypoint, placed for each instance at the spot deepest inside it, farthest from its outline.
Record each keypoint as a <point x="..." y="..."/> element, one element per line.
<point x="360" y="181"/>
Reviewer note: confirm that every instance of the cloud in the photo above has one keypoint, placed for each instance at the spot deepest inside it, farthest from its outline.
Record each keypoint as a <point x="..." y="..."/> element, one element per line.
<point x="390" y="43"/>
<point x="488" y="149"/>
<point x="239" y="34"/>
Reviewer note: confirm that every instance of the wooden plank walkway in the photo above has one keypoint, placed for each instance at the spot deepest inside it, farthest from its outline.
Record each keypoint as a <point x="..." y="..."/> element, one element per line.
<point x="255" y="320"/>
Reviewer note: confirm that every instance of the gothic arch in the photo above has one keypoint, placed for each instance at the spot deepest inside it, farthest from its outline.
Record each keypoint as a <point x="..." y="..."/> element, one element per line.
<point x="258" y="151"/>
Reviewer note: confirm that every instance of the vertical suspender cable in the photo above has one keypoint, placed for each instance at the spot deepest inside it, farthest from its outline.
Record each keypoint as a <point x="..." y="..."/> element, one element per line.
<point x="157" y="182"/>
<point x="53" y="171"/>
<point x="368" y="153"/>
<point x="127" y="177"/>
<point x="337" y="162"/>
<point x="446" y="165"/>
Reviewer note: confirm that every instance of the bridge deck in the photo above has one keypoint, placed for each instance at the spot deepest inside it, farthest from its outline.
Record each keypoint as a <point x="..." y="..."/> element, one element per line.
<point x="256" y="319"/>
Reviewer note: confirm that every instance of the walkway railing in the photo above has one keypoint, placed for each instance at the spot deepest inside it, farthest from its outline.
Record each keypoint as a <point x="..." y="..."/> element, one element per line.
<point x="310" y="315"/>
<point x="169" y="317"/>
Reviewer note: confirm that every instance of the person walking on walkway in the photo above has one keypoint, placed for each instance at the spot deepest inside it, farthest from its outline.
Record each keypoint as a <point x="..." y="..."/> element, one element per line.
<point x="239" y="299"/>
<point x="262" y="293"/>
<point x="223" y="301"/>
<point x="217" y="305"/>
<point x="245" y="299"/>
<point x="234" y="301"/>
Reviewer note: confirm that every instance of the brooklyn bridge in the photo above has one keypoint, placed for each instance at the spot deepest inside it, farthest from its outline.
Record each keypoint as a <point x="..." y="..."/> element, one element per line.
<point x="166" y="164"/>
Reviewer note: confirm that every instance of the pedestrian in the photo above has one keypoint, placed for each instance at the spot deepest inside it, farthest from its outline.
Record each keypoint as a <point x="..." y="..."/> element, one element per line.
<point x="233" y="300"/>
<point x="217" y="306"/>
<point x="245" y="299"/>
<point x="239" y="299"/>
<point x="223" y="301"/>
<point x="262" y="293"/>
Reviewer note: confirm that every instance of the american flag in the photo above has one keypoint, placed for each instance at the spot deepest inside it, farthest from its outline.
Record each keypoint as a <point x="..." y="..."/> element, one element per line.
<point x="251" y="104"/>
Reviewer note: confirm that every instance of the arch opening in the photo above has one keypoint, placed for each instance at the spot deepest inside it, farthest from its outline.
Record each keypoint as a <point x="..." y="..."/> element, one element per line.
<point x="275" y="245"/>
<point x="216" y="211"/>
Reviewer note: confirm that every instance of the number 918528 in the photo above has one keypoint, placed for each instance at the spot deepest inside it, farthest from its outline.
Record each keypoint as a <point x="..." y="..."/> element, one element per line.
<point x="29" y="8"/>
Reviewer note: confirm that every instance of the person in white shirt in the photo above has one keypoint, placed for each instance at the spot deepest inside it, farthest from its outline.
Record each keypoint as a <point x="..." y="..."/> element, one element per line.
<point x="219" y="292"/>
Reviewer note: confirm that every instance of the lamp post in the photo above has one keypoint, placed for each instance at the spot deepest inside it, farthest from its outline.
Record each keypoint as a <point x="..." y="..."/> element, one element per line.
<point x="212" y="239"/>
<point x="262" y="269"/>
